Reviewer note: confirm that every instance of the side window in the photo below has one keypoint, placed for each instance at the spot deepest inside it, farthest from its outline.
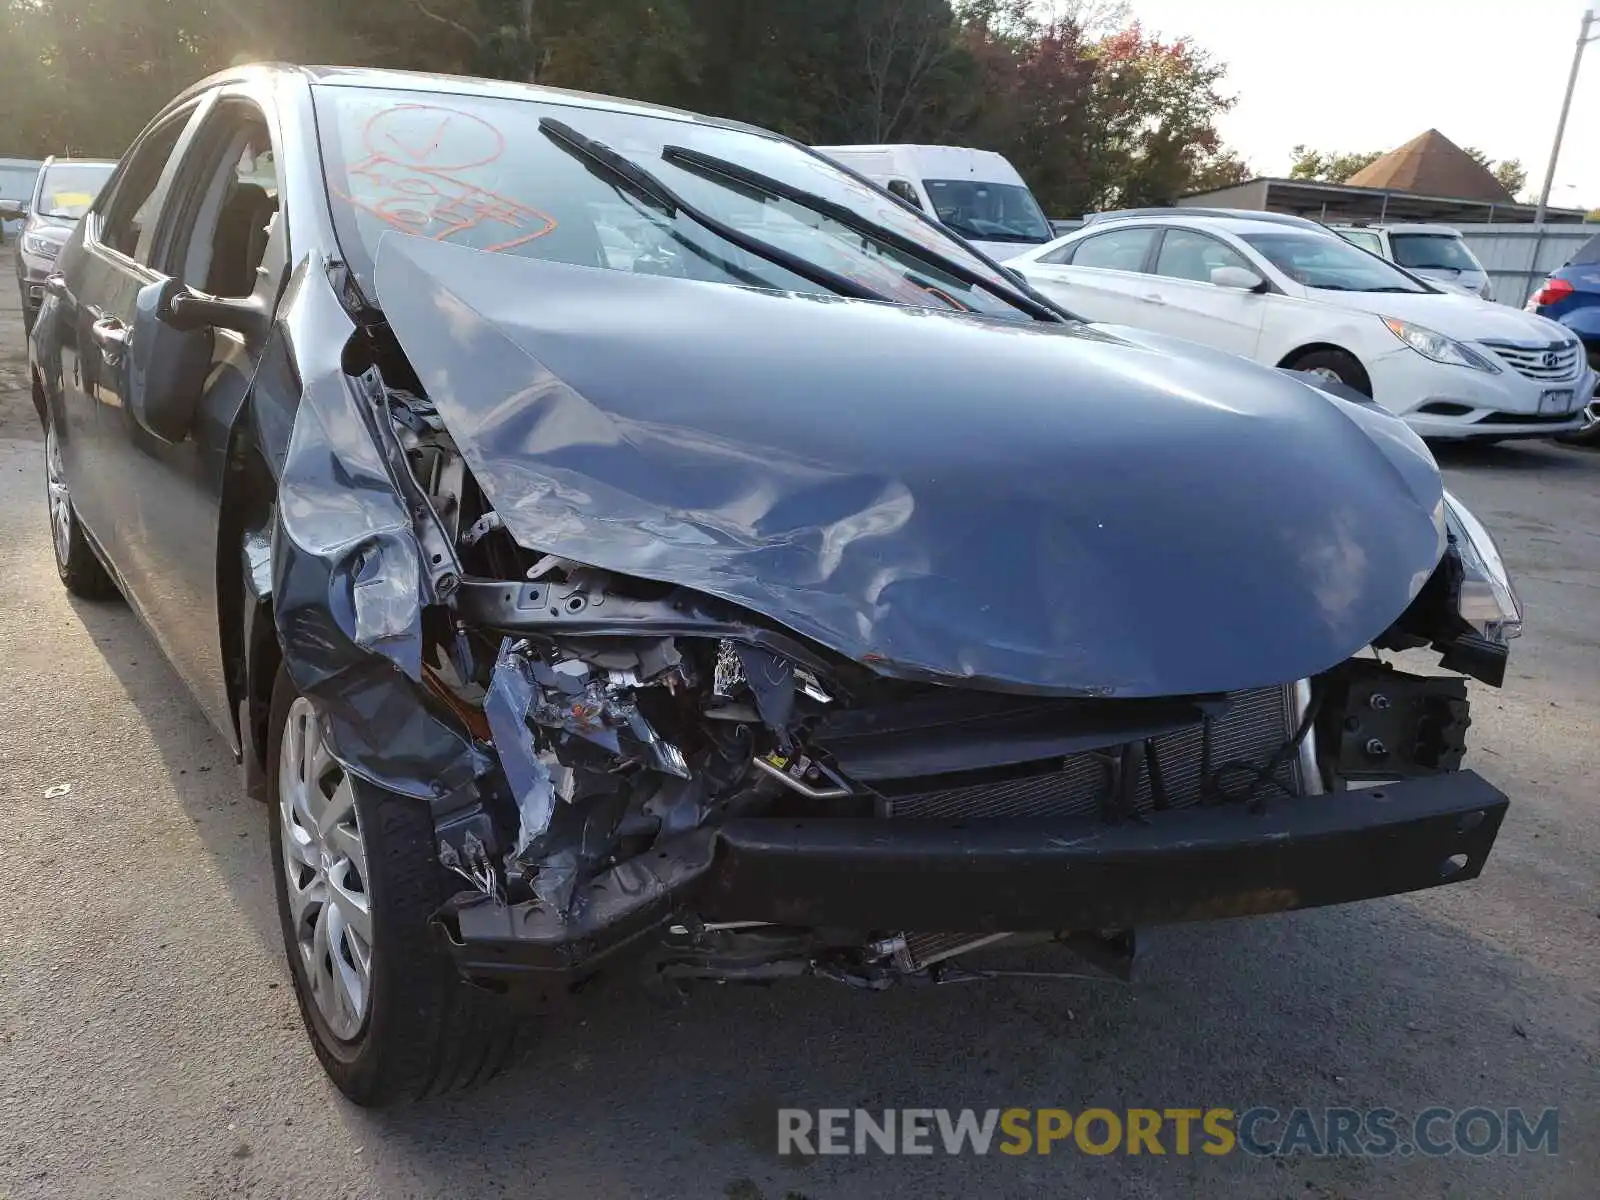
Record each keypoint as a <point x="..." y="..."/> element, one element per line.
<point x="232" y="212"/>
<point x="1186" y="254"/>
<point x="1061" y="255"/>
<point x="1367" y="241"/>
<point x="133" y="207"/>
<point x="905" y="191"/>
<point x="1119" y="250"/>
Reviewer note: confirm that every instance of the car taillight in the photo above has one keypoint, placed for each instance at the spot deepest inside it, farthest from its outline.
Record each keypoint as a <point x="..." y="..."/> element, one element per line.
<point x="1553" y="290"/>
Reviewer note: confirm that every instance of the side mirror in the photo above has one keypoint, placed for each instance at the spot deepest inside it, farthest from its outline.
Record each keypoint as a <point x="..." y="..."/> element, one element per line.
<point x="167" y="364"/>
<point x="1242" y="278"/>
<point x="12" y="210"/>
<point x="190" y="310"/>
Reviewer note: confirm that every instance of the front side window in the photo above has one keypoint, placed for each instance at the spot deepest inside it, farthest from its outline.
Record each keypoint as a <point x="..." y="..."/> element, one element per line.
<point x="1186" y="254"/>
<point x="482" y="172"/>
<point x="234" y="208"/>
<point x="68" y="190"/>
<point x="1122" y="250"/>
<point x="989" y="212"/>
<point x="132" y="211"/>
<point x="1370" y="242"/>
<point x="1328" y="263"/>
<point x="906" y="192"/>
<point x="1432" y="252"/>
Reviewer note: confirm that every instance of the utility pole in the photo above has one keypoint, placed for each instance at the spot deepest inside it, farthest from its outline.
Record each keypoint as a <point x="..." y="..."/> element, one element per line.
<point x="1584" y="38"/>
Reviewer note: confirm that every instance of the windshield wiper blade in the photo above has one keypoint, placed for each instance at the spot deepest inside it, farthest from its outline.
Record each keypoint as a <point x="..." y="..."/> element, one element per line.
<point x="606" y="160"/>
<point x="702" y="163"/>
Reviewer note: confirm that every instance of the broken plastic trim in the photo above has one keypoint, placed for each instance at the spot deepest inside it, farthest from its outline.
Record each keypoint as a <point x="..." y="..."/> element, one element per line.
<point x="344" y="557"/>
<point x="552" y="611"/>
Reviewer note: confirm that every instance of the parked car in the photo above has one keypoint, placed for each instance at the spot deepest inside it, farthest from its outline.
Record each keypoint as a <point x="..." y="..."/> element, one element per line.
<point x="1438" y="253"/>
<point x="975" y="193"/>
<point x="1300" y="297"/>
<point x="719" y="610"/>
<point x="17" y="178"/>
<point x="62" y="192"/>
<point x="1571" y="296"/>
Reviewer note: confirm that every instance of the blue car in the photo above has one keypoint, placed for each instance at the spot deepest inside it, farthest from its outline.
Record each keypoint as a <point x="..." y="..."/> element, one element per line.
<point x="1572" y="296"/>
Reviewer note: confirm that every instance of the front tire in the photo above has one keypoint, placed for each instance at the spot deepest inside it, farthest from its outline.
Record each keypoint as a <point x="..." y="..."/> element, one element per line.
<point x="1589" y="433"/>
<point x="81" y="571"/>
<point x="357" y="880"/>
<point x="1334" y="365"/>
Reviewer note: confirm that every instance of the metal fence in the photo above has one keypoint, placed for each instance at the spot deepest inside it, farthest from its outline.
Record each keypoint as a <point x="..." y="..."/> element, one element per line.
<point x="1518" y="257"/>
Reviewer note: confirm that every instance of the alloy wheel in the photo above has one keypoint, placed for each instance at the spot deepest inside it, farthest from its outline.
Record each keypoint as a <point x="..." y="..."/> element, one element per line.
<point x="325" y="861"/>
<point x="59" y="498"/>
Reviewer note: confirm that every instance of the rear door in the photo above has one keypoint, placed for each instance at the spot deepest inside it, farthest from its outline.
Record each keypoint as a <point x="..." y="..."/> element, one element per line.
<point x="95" y="292"/>
<point x="1101" y="277"/>
<point x="1194" y="307"/>
<point x="220" y="234"/>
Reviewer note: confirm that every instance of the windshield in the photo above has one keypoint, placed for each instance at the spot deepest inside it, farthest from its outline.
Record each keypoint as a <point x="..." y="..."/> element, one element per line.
<point x="1332" y="264"/>
<point x="1432" y="252"/>
<point x="480" y="172"/>
<point x="68" y="189"/>
<point x="989" y="212"/>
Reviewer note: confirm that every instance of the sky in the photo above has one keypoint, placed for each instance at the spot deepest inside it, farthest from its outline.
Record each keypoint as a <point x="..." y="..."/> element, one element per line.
<point x="1372" y="74"/>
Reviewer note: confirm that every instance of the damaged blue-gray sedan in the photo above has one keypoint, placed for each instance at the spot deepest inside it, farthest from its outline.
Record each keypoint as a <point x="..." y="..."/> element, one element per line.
<point x="618" y="540"/>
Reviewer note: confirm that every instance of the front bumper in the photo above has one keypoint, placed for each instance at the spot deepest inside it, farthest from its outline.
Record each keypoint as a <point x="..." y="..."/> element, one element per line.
<point x="985" y="876"/>
<point x="1440" y="401"/>
<point x="32" y="273"/>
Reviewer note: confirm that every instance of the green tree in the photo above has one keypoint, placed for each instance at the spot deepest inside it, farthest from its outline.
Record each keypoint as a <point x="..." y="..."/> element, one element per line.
<point x="1329" y="167"/>
<point x="1092" y="110"/>
<point x="1513" y="176"/>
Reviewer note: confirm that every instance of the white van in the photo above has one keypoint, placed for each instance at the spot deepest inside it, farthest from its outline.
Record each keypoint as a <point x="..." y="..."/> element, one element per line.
<point x="975" y="193"/>
<point x="1435" y="252"/>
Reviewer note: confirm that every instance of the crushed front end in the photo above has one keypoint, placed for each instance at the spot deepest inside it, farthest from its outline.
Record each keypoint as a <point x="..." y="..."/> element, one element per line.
<point x="701" y="767"/>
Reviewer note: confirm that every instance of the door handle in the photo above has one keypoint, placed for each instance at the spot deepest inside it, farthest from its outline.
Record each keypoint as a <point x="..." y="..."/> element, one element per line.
<point x="111" y="335"/>
<point x="1153" y="298"/>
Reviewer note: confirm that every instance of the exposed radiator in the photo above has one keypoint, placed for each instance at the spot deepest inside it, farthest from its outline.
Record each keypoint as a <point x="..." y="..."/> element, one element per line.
<point x="1254" y="727"/>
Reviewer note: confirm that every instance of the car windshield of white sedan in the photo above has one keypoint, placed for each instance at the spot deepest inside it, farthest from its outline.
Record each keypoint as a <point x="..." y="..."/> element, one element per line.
<point x="1316" y="260"/>
<point x="481" y="172"/>
<point x="70" y="188"/>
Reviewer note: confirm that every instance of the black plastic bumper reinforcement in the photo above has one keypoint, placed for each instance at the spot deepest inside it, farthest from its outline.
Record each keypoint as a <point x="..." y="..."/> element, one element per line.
<point x="981" y="876"/>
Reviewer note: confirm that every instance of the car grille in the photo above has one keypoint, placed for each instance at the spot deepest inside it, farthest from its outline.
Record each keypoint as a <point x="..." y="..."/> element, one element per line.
<point x="1555" y="363"/>
<point x="1253" y="729"/>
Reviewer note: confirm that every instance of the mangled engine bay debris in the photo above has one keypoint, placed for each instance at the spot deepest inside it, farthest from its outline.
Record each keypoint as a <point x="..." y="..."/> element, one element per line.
<point x="616" y="750"/>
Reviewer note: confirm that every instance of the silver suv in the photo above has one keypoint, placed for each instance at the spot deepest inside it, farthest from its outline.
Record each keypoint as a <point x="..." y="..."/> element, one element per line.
<point x="62" y="193"/>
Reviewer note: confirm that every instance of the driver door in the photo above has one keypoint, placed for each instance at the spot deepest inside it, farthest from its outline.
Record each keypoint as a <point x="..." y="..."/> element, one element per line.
<point x="219" y="235"/>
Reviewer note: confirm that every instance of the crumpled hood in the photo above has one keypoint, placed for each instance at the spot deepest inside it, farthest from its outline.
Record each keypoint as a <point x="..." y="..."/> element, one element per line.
<point x="1465" y="318"/>
<point x="1030" y="507"/>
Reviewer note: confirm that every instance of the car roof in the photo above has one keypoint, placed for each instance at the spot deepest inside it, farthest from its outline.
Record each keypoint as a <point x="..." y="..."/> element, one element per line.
<point x="1231" y="224"/>
<point x="1403" y="227"/>
<point x="1195" y="210"/>
<point x="80" y="162"/>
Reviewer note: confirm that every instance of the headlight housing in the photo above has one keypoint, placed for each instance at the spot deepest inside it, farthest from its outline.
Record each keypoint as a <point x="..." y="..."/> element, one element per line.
<point x="40" y="246"/>
<point x="1438" y="347"/>
<point x="1486" y="600"/>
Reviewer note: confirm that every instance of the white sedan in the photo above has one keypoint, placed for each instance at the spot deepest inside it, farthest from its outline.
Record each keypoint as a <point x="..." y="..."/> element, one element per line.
<point x="1291" y="294"/>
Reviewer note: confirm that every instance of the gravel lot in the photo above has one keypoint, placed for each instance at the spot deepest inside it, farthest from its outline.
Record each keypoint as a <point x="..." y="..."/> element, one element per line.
<point x="149" y="1044"/>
